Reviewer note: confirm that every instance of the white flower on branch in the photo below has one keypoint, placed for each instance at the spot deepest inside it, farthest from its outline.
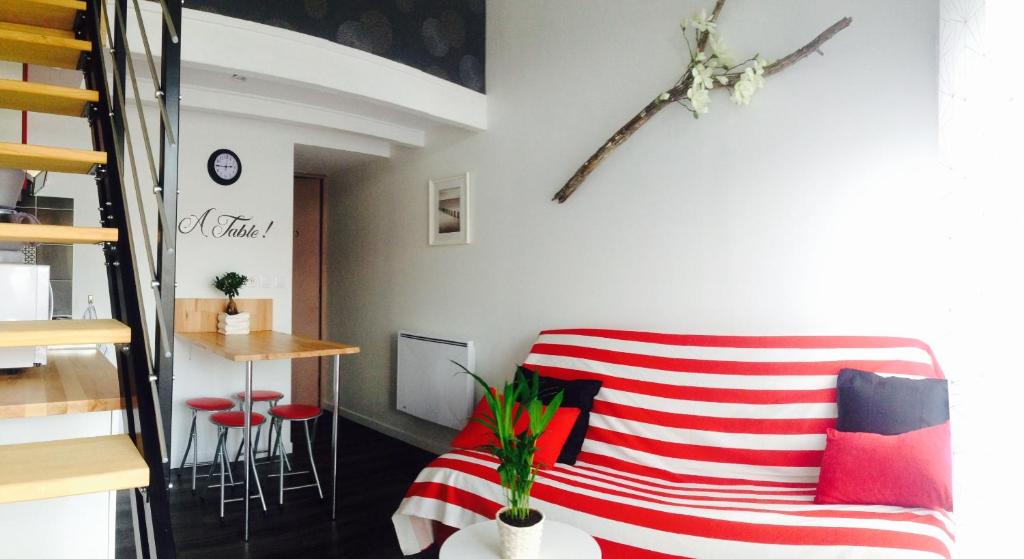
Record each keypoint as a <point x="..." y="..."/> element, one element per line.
<point x="750" y="81"/>
<point x="701" y="22"/>
<point x="710" y="54"/>
<point x="719" y="50"/>
<point x="703" y="76"/>
<point x="700" y="99"/>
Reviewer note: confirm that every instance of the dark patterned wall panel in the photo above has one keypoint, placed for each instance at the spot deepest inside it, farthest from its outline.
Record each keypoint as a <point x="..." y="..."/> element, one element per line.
<point x="442" y="37"/>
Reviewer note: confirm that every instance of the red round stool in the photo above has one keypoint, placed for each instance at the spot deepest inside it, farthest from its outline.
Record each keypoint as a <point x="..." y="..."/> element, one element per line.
<point x="200" y="405"/>
<point x="225" y="421"/>
<point x="293" y="412"/>
<point x="271" y="397"/>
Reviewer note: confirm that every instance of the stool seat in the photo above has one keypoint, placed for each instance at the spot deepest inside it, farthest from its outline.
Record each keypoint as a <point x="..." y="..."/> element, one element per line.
<point x="261" y="395"/>
<point x="235" y="419"/>
<point x="210" y="404"/>
<point x="295" y="412"/>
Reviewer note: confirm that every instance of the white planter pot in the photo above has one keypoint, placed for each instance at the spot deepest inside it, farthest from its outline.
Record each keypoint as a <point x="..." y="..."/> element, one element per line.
<point x="519" y="543"/>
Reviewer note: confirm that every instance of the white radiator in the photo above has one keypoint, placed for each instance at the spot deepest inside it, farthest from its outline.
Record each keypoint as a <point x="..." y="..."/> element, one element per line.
<point x="430" y="386"/>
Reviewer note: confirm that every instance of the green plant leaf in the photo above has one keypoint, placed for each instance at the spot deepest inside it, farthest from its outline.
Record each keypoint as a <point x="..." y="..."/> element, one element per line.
<point x="515" y="451"/>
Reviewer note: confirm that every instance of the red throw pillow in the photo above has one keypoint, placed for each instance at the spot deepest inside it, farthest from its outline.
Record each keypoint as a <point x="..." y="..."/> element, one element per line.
<point x="550" y="444"/>
<point x="909" y="470"/>
<point x="474" y="435"/>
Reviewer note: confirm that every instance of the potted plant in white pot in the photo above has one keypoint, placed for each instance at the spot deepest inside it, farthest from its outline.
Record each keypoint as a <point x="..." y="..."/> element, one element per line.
<point x="519" y="526"/>
<point x="231" y="321"/>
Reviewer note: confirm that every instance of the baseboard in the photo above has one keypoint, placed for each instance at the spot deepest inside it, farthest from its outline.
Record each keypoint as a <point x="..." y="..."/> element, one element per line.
<point x="369" y="422"/>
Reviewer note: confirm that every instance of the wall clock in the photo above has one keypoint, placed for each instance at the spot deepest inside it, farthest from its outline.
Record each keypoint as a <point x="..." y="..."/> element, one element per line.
<point x="224" y="167"/>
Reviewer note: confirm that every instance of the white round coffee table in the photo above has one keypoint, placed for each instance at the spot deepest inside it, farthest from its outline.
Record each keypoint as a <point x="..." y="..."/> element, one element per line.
<point x="480" y="541"/>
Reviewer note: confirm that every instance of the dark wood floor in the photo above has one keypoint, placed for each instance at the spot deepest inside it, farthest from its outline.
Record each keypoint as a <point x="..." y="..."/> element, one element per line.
<point x="374" y="472"/>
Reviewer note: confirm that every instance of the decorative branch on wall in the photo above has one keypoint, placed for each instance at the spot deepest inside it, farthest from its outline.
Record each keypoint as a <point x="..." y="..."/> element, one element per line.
<point x="710" y="68"/>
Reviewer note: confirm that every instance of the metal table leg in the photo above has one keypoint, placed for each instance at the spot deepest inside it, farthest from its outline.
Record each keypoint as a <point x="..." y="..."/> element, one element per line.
<point x="247" y="442"/>
<point x="334" y="439"/>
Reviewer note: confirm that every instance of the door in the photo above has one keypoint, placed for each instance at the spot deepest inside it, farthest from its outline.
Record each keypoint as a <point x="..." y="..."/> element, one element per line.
<point x="307" y="284"/>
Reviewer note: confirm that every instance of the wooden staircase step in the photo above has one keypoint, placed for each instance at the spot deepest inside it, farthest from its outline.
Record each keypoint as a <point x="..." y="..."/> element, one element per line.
<point x="32" y="44"/>
<point x="56" y="234"/>
<point x="45" y="158"/>
<point x="44" y="98"/>
<point x="23" y="333"/>
<point x="71" y="381"/>
<point x="50" y="469"/>
<point x="55" y="14"/>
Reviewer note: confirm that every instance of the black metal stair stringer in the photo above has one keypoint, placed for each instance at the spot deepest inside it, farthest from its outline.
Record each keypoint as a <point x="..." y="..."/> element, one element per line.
<point x="151" y="505"/>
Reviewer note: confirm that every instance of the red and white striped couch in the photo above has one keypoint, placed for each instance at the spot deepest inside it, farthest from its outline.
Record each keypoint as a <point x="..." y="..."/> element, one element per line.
<point x="699" y="446"/>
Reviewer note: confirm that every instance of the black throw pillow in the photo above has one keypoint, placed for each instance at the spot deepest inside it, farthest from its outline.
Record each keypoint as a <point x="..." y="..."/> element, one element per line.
<point x="870" y="403"/>
<point x="578" y="394"/>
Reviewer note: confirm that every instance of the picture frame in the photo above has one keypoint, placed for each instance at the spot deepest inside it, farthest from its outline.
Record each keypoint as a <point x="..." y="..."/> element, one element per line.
<point x="448" y="209"/>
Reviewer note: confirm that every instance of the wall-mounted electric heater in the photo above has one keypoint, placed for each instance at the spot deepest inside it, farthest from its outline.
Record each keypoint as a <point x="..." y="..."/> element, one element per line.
<point x="430" y="386"/>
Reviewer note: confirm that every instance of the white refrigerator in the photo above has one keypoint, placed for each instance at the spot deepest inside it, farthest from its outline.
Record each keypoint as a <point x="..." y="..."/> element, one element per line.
<point x="24" y="295"/>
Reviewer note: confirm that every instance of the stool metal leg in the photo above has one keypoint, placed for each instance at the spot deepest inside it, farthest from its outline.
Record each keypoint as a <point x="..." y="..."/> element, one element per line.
<point x="279" y="448"/>
<point x="231" y="475"/>
<point x="184" y="457"/>
<point x="223" y="465"/>
<point x="195" y="452"/>
<point x="278" y="424"/>
<point x="312" y="463"/>
<point x="270" y="433"/>
<point x="256" y="475"/>
<point x="275" y="427"/>
<point x="273" y="448"/>
<point x="213" y="463"/>
<point x="280" y="435"/>
<point x="259" y="429"/>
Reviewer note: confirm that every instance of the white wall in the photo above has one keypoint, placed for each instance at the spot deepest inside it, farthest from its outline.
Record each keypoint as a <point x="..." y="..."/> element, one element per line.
<point x="805" y="212"/>
<point x="264" y="192"/>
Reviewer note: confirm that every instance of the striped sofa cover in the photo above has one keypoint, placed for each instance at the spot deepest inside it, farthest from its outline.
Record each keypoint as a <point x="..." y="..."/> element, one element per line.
<point x="699" y="446"/>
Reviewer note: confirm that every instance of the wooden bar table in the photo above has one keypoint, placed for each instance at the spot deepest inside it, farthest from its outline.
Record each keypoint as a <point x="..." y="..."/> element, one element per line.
<point x="267" y="345"/>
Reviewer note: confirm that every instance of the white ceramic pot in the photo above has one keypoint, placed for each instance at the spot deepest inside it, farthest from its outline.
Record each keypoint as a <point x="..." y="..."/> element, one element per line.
<point x="520" y="543"/>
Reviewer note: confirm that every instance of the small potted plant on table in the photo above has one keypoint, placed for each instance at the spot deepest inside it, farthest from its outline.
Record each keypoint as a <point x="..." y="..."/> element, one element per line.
<point x="231" y="321"/>
<point x="519" y="526"/>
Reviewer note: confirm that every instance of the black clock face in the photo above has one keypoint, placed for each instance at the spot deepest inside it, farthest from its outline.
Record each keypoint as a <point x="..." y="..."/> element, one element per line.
<point x="224" y="167"/>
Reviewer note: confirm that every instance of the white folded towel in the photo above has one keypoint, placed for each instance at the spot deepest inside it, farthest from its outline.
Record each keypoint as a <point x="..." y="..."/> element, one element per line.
<point x="239" y="324"/>
<point x="230" y="331"/>
<point x="233" y="318"/>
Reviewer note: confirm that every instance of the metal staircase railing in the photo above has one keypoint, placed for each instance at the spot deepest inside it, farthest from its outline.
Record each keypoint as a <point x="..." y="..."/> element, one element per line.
<point x="146" y="364"/>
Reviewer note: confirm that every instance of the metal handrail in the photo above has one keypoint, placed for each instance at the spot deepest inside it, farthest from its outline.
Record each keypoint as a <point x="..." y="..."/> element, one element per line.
<point x="103" y="30"/>
<point x="119" y="18"/>
<point x="153" y="74"/>
<point x="119" y="159"/>
<point x="168" y="22"/>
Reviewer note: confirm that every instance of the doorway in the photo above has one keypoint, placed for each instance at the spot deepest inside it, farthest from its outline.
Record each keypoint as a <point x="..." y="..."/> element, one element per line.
<point x="308" y="281"/>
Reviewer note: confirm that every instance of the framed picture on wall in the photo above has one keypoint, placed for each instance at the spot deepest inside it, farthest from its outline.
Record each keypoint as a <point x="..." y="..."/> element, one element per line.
<point x="449" y="210"/>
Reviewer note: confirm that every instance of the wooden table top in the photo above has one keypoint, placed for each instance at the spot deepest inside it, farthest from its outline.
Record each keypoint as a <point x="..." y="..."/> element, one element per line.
<point x="265" y="345"/>
<point x="72" y="381"/>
